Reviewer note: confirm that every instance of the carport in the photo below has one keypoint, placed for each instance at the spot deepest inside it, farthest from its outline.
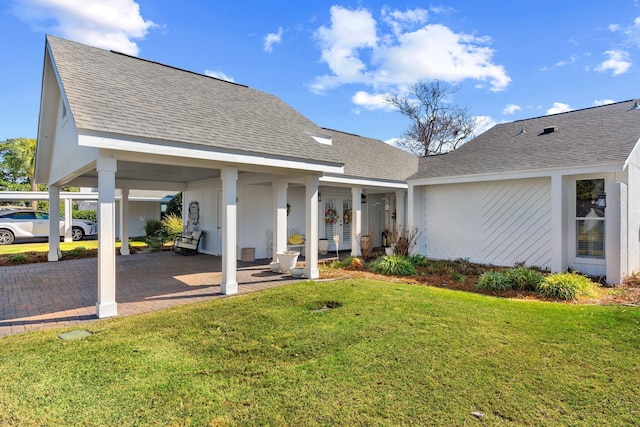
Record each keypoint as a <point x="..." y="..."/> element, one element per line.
<point x="109" y="120"/>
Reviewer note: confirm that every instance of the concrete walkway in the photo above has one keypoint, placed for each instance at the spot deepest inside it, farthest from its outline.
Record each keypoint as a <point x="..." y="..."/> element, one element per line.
<point x="62" y="294"/>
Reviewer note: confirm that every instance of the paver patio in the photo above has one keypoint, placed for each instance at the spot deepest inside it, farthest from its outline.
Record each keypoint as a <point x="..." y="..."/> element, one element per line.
<point x="59" y="294"/>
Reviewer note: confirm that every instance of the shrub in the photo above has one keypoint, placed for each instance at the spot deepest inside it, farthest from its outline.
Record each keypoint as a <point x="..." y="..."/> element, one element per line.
<point x="153" y="227"/>
<point x="523" y="278"/>
<point x="566" y="286"/>
<point x="394" y="265"/>
<point x="341" y="264"/>
<point x="418" y="260"/>
<point x="78" y="251"/>
<point x="405" y="240"/>
<point x="493" y="281"/>
<point x="18" y="258"/>
<point x="172" y="226"/>
<point x="91" y="215"/>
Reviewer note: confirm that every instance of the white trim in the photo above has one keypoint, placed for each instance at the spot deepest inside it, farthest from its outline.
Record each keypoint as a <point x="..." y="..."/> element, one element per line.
<point x="563" y="171"/>
<point x="363" y="182"/>
<point x="110" y="143"/>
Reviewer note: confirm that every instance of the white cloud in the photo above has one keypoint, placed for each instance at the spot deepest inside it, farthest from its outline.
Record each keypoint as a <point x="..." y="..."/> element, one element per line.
<point x="393" y="142"/>
<point x="271" y="39"/>
<point x="511" y="109"/>
<point x="559" y="107"/>
<point x="371" y="101"/>
<point x="618" y="62"/>
<point x="633" y="32"/>
<point x="108" y="24"/>
<point x="219" y="75"/>
<point x="599" y="102"/>
<point x="483" y="124"/>
<point x="356" y="51"/>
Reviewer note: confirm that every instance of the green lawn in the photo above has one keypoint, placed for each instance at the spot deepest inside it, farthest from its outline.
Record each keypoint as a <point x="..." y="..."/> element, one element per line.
<point x="64" y="246"/>
<point x="392" y="354"/>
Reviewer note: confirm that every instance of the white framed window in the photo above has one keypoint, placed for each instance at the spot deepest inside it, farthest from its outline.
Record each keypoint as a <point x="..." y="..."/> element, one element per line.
<point x="590" y="219"/>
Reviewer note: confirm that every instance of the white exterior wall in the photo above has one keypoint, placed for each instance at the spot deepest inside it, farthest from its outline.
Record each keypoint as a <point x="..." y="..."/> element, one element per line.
<point x="633" y="213"/>
<point x="139" y="212"/>
<point x="255" y="214"/>
<point x="497" y="222"/>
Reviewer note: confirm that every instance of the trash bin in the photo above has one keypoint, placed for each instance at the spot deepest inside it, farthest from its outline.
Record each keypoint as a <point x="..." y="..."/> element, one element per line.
<point x="248" y="254"/>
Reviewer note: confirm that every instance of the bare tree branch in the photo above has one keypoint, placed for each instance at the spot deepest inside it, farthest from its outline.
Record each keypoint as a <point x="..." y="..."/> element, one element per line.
<point x="437" y="125"/>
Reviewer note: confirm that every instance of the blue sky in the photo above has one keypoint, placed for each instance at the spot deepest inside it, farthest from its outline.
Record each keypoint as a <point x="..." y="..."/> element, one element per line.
<point x="335" y="61"/>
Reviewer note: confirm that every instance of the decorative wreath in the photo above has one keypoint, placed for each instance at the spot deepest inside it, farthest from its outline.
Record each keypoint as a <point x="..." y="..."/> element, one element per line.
<point x="331" y="216"/>
<point x="348" y="216"/>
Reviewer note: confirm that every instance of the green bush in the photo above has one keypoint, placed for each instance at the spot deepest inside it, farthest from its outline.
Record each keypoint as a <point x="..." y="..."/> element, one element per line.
<point x="89" y="215"/>
<point x="18" y="258"/>
<point x="172" y="226"/>
<point x="566" y="286"/>
<point x="78" y="251"/>
<point x="418" y="260"/>
<point x="153" y="228"/>
<point x="341" y="264"/>
<point x="493" y="281"/>
<point x="523" y="278"/>
<point x="394" y="265"/>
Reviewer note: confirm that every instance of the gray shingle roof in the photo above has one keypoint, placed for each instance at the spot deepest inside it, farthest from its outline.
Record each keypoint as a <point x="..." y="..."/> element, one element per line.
<point x="372" y="158"/>
<point x="582" y="137"/>
<point x="117" y="93"/>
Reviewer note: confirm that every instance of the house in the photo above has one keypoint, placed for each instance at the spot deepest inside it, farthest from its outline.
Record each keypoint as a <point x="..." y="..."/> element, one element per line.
<point x="559" y="191"/>
<point x="246" y="161"/>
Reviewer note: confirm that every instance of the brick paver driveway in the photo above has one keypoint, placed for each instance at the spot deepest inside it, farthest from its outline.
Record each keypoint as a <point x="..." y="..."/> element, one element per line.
<point x="46" y="295"/>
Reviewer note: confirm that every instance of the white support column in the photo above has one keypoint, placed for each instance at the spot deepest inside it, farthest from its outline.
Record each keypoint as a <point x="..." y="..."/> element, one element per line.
<point x="416" y="217"/>
<point x="280" y="217"/>
<point x="400" y="220"/>
<point x="356" y="220"/>
<point x="124" y="222"/>
<point x="558" y="235"/>
<point x="106" y="305"/>
<point x="67" y="220"/>
<point x="311" y="228"/>
<point x="615" y="232"/>
<point x="229" y="283"/>
<point x="54" y="223"/>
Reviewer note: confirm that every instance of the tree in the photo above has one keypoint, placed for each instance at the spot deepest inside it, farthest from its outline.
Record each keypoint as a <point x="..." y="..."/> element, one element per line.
<point x="437" y="125"/>
<point x="17" y="164"/>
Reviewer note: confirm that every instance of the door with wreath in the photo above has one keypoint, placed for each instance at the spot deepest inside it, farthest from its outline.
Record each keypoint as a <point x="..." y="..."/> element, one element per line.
<point x="337" y="216"/>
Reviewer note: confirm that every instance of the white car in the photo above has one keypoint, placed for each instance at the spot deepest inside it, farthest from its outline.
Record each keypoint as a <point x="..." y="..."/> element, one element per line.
<point x="23" y="224"/>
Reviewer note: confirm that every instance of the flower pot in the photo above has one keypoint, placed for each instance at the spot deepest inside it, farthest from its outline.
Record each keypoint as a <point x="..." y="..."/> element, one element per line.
<point x="365" y="244"/>
<point x="323" y="246"/>
<point x="389" y="250"/>
<point x="155" y="243"/>
<point x="297" y="272"/>
<point x="287" y="260"/>
<point x="275" y="267"/>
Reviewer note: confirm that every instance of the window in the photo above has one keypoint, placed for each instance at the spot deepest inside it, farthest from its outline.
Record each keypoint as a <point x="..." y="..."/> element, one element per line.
<point x="589" y="219"/>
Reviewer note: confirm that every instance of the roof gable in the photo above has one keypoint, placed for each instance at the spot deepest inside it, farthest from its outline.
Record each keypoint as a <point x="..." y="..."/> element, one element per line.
<point x="113" y="93"/>
<point x="591" y="136"/>
<point x="372" y="158"/>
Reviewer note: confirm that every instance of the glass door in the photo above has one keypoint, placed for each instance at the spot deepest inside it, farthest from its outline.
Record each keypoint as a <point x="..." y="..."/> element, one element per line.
<point x="338" y="216"/>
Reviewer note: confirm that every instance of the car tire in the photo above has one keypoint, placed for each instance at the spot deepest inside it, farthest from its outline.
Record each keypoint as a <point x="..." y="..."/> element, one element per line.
<point x="77" y="233"/>
<point x="6" y="237"/>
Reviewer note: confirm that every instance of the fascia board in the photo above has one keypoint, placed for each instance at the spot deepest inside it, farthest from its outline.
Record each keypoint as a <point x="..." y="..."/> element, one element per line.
<point x="362" y="182"/>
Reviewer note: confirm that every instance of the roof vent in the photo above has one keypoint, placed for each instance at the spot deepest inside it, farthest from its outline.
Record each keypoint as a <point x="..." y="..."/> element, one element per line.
<point x="635" y="106"/>
<point x="522" y="131"/>
<point x="548" y="130"/>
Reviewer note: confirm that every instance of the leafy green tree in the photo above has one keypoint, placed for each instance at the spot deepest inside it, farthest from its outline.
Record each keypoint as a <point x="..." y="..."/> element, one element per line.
<point x="18" y="165"/>
<point x="174" y="206"/>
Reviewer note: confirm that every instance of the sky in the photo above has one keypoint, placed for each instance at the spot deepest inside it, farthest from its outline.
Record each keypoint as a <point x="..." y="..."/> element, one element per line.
<point x="336" y="61"/>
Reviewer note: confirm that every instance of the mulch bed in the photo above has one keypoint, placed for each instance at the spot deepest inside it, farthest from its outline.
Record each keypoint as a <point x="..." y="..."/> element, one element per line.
<point x="622" y="294"/>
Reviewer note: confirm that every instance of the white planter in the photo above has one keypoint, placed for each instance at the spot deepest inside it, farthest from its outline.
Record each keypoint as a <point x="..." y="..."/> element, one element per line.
<point x="389" y="250"/>
<point x="323" y="246"/>
<point x="287" y="260"/>
<point x="297" y="272"/>
<point x="275" y="267"/>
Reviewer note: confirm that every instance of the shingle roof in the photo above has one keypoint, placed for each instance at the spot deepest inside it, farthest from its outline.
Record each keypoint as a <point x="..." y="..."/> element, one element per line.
<point x="116" y="93"/>
<point x="372" y="158"/>
<point x="582" y="137"/>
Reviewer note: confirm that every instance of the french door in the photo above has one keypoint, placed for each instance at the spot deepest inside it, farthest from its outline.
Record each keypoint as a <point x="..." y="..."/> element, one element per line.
<point x="337" y="217"/>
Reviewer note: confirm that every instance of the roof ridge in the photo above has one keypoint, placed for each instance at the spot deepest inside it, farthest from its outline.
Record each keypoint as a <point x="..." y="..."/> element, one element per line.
<point x="571" y="111"/>
<point x="341" y="131"/>
<point x="175" y="68"/>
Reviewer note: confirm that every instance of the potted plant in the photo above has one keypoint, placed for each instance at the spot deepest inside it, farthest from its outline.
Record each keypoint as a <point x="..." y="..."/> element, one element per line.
<point x="323" y="246"/>
<point x="154" y="230"/>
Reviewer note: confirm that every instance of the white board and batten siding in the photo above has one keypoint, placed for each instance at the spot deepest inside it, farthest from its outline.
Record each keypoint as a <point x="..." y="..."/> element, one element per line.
<point x="493" y="222"/>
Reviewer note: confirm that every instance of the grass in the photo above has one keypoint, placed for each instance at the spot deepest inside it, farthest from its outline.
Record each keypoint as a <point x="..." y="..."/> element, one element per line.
<point x="351" y="352"/>
<point x="64" y="246"/>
